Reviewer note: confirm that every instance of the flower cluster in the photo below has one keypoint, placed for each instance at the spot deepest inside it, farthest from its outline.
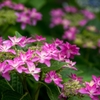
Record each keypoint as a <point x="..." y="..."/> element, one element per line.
<point x="70" y="18"/>
<point x="23" y="55"/>
<point x="24" y="15"/>
<point x="92" y="89"/>
<point x="71" y="87"/>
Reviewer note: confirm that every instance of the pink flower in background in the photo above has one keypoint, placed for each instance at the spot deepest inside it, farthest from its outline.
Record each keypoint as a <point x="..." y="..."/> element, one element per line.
<point x="98" y="43"/>
<point x="35" y="16"/>
<point x="23" y="18"/>
<point x="88" y="14"/>
<point x="69" y="35"/>
<point x="57" y="13"/>
<point x="8" y="3"/>
<point x="83" y="22"/>
<point x="55" y="21"/>
<point x="24" y="15"/>
<point x="52" y="76"/>
<point x="18" y="7"/>
<point x="65" y="23"/>
<point x="70" y="9"/>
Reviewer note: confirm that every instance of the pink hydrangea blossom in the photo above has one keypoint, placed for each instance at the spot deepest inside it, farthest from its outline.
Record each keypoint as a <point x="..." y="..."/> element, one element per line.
<point x="4" y="70"/>
<point x="33" y="71"/>
<point x="70" y="50"/>
<point x="75" y="77"/>
<point x="70" y="64"/>
<point x="7" y="48"/>
<point x="90" y="90"/>
<point x="43" y="57"/>
<point x="16" y="64"/>
<point x="52" y="76"/>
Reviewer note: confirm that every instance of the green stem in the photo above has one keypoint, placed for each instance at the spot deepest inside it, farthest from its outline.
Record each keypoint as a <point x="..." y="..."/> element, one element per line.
<point x="10" y="85"/>
<point x="37" y="92"/>
<point x="24" y="85"/>
<point x="23" y="96"/>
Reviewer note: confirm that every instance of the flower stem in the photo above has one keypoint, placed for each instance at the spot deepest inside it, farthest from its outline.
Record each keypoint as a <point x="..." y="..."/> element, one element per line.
<point x="37" y="92"/>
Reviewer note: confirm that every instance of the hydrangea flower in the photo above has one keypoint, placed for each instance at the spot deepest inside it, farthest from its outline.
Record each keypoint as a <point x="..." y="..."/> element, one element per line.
<point x="52" y="76"/>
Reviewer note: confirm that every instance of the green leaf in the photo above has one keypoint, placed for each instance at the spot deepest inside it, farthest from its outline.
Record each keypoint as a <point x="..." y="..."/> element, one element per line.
<point x="55" y="65"/>
<point x="17" y="34"/>
<point x="37" y="3"/>
<point x="78" y="98"/>
<point x="3" y="85"/>
<point x="16" y="83"/>
<point x="20" y="1"/>
<point x="54" y="93"/>
<point x="12" y="95"/>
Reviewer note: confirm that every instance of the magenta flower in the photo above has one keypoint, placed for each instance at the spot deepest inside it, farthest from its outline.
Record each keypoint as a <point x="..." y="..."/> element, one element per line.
<point x="90" y="90"/>
<point x="16" y="64"/>
<point x="43" y="57"/>
<point x="96" y="80"/>
<point x="51" y="50"/>
<point x="39" y="38"/>
<point x="33" y="71"/>
<point x="26" y="57"/>
<point x="6" y="48"/>
<point x="14" y="40"/>
<point x="4" y="70"/>
<point x="70" y="50"/>
<point x="58" y="42"/>
<point x="24" y="41"/>
<point x="70" y="64"/>
<point x="75" y="77"/>
<point x="52" y="76"/>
